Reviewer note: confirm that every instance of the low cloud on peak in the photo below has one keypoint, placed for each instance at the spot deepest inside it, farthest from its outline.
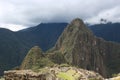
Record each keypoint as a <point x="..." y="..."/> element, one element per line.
<point x="26" y="13"/>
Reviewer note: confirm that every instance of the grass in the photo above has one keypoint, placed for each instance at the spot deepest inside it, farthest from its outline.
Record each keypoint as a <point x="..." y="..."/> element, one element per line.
<point x="69" y="75"/>
<point x="92" y="79"/>
<point x="117" y="78"/>
<point x="2" y="79"/>
<point x="65" y="76"/>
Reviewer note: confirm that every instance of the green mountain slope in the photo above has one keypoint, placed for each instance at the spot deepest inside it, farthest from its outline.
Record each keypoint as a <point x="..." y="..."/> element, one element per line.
<point x="12" y="50"/>
<point x="81" y="48"/>
<point x="35" y="59"/>
<point x="77" y="46"/>
<point x="14" y="45"/>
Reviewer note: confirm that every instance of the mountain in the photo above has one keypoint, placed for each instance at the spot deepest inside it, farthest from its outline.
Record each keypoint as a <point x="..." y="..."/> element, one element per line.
<point x="77" y="46"/>
<point x="35" y="59"/>
<point x="81" y="48"/>
<point x="44" y="35"/>
<point x="109" y="31"/>
<point x="11" y="50"/>
<point x="32" y="57"/>
<point x="14" y="45"/>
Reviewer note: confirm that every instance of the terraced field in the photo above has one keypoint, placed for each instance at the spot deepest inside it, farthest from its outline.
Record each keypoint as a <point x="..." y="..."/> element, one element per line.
<point x="2" y="79"/>
<point x="54" y="73"/>
<point x="69" y="75"/>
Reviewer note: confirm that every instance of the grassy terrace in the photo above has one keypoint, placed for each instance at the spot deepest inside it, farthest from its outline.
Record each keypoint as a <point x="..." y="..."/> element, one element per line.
<point x="68" y="75"/>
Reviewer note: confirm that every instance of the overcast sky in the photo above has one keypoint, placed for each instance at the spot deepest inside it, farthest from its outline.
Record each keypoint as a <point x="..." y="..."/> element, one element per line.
<point x="19" y="14"/>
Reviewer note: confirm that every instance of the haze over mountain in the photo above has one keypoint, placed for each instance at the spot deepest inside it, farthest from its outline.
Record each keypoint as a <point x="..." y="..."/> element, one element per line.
<point x="16" y="15"/>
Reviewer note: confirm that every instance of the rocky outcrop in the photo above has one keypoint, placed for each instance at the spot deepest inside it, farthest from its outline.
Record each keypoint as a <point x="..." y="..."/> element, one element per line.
<point x="35" y="59"/>
<point x="81" y="48"/>
<point x="32" y="57"/>
<point x="77" y="46"/>
<point x="55" y="73"/>
<point x="23" y="75"/>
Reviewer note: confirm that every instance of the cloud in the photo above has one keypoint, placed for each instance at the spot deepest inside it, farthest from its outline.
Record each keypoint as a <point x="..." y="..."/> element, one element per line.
<point x="111" y="15"/>
<point x="12" y="27"/>
<point x="29" y="13"/>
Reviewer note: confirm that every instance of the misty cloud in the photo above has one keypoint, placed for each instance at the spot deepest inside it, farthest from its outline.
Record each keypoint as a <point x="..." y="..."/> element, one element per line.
<point x="32" y="12"/>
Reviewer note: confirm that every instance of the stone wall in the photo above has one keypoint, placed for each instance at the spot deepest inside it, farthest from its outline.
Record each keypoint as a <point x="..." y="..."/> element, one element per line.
<point x="24" y="75"/>
<point x="55" y="73"/>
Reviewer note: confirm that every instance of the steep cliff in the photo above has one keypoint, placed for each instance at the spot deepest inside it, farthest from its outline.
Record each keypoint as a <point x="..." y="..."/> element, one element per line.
<point x="77" y="46"/>
<point x="35" y="59"/>
<point x="81" y="48"/>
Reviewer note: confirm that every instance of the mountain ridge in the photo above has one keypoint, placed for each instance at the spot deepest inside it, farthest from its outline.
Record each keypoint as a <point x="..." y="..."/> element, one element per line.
<point x="12" y="55"/>
<point x="74" y="43"/>
<point x="78" y="46"/>
<point x="26" y="44"/>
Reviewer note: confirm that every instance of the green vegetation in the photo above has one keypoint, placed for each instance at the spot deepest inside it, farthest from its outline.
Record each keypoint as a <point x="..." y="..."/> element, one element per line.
<point x="12" y="50"/>
<point x="32" y="58"/>
<point x="14" y="45"/>
<point x="114" y="75"/>
<point x="57" y="57"/>
<point x="69" y="75"/>
<point x="35" y="59"/>
<point x="76" y="46"/>
<point x="1" y="78"/>
<point x="41" y="63"/>
<point x="93" y="79"/>
<point x="65" y="76"/>
<point x="64" y="65"/>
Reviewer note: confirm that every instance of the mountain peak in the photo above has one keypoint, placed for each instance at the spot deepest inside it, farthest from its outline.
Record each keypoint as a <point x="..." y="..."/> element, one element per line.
<point x="77" y="20"/>
<point x="75" y="30"/>
<point x="36" y="48"/>
<point x="32" y="57"/>
<point x="79" y="47"/>
<point x="77" y="25"/>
